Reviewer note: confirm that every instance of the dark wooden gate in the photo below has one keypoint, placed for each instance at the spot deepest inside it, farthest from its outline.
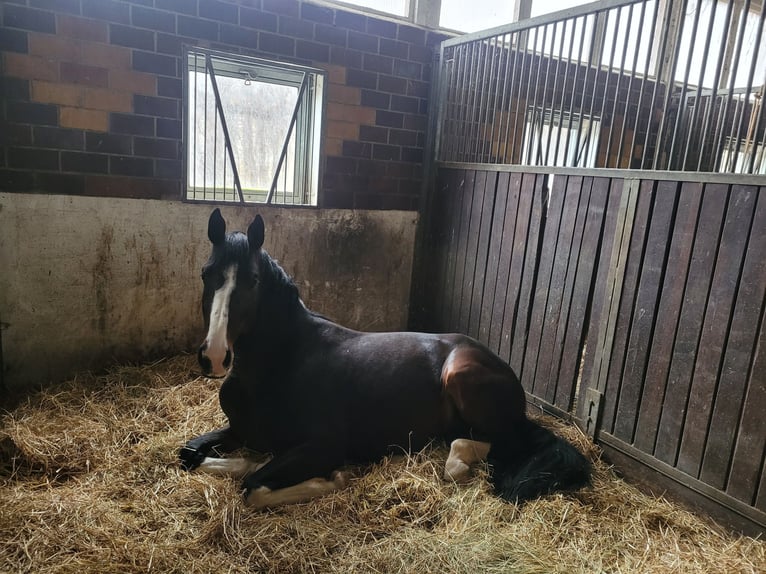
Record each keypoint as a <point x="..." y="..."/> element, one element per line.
<point x="633" y="304"/>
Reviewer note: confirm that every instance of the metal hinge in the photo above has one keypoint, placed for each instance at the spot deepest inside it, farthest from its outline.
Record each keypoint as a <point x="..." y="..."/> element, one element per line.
<point x="592" y="418"/>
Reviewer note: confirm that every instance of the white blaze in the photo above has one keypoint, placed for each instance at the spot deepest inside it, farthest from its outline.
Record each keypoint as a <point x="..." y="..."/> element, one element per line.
<point x="216" y="343"/>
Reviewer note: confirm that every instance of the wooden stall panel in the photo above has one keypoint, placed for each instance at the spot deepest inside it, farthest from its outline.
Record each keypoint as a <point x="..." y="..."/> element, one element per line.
<point x="482" y="256"/>
<point x="464" y="231"/>
<point x="478" y="194"/>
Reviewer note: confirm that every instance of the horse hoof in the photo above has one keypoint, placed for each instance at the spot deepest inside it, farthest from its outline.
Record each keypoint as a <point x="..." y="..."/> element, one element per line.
<point x="190" y="458"/>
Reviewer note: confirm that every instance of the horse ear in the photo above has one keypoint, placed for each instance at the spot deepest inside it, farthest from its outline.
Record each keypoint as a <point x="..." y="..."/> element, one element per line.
<point x="216" y="227"/>
<point x="255" y="233"/>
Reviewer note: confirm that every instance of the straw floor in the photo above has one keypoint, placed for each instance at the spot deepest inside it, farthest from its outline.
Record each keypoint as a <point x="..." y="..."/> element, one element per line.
<point x="89" y="483"/>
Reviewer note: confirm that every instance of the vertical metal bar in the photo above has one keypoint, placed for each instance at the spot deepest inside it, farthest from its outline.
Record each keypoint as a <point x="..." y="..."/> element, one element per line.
<point x="460" y="122"/>
<point x="639" y="37"/>
<point x="497" y="57"/>
<point x="684" y="84"/>
<point x="460" y="156"/>
<point x="481" y="72"/>
<point x="758" y="149"/>
<point x="215" y="155"/>
<point x="514" y="135"/>
<point x="283" y="154"/>
<point x="204" y="131"/>
<point x="617" y="89"/>
<point x="514" y="103"/>
<point x="471" y="100"/>
<point x="484" y="102"/>
<point x="194" y="127"/>
<point x="591" y="54"/>
<point x="219" y="108"/>
<point x="564" y="90"/>
<point x="530" y="157"/>
<point x="574" y="88"/>
<point x="555" y="81"/>
<point x="447" y="81"/>
<point x="711" y="105"/>
<point x="503" y="55"/>
<point x="591" y="126"/>
<point x="751" y="74"/>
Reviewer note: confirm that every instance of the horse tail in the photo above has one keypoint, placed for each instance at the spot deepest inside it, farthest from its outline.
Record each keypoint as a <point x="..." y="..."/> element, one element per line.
<point x="534" y="463"/>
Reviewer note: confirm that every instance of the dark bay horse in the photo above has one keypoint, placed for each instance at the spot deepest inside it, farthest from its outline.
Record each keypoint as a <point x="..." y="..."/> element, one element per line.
<point x="317" y="396"/>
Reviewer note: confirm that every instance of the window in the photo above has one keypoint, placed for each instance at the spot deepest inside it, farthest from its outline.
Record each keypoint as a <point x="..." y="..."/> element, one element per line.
<point x="550" y="141"/>
<point x="253" y="129"/>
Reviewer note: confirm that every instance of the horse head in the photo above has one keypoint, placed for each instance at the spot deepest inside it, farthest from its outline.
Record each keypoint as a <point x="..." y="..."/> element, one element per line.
<point x="230" y="280"/>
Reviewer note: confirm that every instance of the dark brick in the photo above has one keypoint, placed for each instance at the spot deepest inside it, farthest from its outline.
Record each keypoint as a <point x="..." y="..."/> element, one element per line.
<point x="392" y="84"/>
<point x="407" y="69"/>
<point x="239" y="36"/>
<point x="156" y="148"/>
<point x="364" y="42"/>
<point x="131" y="37"/>
<point x="317" y="13"/>
<point x="382" y="28"/>
<point x="33" y="158"/>
<point x="154" y="106"/>
<point x="405" y="104"/>
<point x="153" y="19"/>
<point x="167" y="44"/>
<point x="168" y="168"/>
<point x="410" y="186"/>
<point x="394" y="48"/>
<point x="389" y="119"/>
<point x="182" y="6"/>
<point x="418" y="89"/>
<point x="16" y="134"/>
<point x="423" y="107"/>
<point x="396" y="169"/>
<point x="218" y="11"/>
<point x="154" y="63"/>
<point x="351" y="20"/>
<point x="60" y="183"/>
<point x="12" y="180"/>
<point x="133" y="166"/>
<point x="371" y="168"/>
<point x="295" y="28"/>
<point x="336" y="199"/>
<point x="341" y="165"/>
<point x="108" y="143"/>
<point x="420" y="53"/>
<point x="374" y="99"/>
<point x="169" y="87"/>
<point x="66" y="6"/>
<point x="32" y="113"/>
<point x="257" y="19"/>
<point x="357" y="149"/>
<point x="415" y="122"/>
<point x="14" y="88"/>
<point x="108" y="10"/>
<point x="373" y="63"/>
<point x="361" y="79"/>
<point x="330" y="35"/>
<point x="276" y="44"/>
<point x="412" y="154"/>
<point x="386" y="152"/>
<point x="373" y="134"/>
<point x="411" y="34"/>
<point x="28" y="19"/>
<point x="169" y="128"/>
<point x="14" y="41"/>
<point x="58" y="138"/>
<point x="426" y="75"/>
<point x="84" y="162"/>
<point x="345" y="57"/>
<point x="402" y="137"/>
<point x="285" y="7"/>
<point x="197" y="28"/>
<point x="86" y="75"/>
<point x="312" y="51"/>
<point x="131" y="124"/>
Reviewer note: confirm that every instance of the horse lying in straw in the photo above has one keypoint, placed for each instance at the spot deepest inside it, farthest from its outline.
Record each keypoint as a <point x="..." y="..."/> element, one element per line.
<point x="318" y="396"/>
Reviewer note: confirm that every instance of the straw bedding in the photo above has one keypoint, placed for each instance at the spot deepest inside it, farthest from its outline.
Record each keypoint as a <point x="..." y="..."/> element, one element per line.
<point x="89" y="483"/>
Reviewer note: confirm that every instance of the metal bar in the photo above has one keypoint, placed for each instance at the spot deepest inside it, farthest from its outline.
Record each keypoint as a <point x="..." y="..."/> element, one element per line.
<point x="215" y="155"/>
<point x="283" y="154"/>
<point x="498" y="54"/>
<point x="758" y="150"/>
<point x="558" y="59"/>
<point x="526" y="98"/>
<point x="513" y="103"/>
<point x="710" y="106"/>
<point x="574" y="88"/>
<point x="640" y="35"/>
<point x="586" y="144"/>
<point x="530" y="157"/>
<point x="483" y="101"/>
<point x="465" y="103"/>
<point x="751" y="74"/>
<point x="204" y="149"/>
<point x="564" y="91"/>
<point x="617" y="88"/>
<point x="514" y="135"/>
<point x="505" y="53"/>
<point x="684" y="85"/>
<point x="473" y="80"/>
<point x="591" y="54"/>
<point x="444" y="77"/>
<point x="214" y="83"/>
<point x="194" y="128"/>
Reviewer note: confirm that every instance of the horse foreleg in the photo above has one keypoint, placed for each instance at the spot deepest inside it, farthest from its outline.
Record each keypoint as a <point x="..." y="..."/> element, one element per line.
<point x="264" y="497"/>
<point x="237" y="467"/>
<point x="463" y="453"/>
<point x="194" y="452"/>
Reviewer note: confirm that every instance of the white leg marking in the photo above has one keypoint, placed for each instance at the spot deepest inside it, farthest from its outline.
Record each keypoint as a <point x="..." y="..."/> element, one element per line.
<point x="463" y="453"/>
<point x="216" y="343"/>
<point x="237" y="467"/>
<point x="264" y="497"/>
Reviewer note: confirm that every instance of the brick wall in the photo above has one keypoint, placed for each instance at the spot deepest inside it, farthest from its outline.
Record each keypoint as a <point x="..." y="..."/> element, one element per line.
<point x="92" y="93"/>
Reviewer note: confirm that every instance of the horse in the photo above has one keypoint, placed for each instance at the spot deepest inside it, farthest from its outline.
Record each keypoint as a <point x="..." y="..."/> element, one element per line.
<point x="318" y="396"/>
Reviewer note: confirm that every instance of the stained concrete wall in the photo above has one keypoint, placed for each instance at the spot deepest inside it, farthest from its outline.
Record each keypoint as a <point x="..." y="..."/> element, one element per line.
<point x="86" y="281"/>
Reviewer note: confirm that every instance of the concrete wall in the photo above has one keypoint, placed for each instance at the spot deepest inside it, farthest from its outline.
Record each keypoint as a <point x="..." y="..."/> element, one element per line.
<point x="88" y="281"/>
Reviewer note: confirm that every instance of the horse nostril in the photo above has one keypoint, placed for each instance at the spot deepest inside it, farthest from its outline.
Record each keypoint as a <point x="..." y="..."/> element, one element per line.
<point x="227" y="359"/>
<point x="203" y="361"/>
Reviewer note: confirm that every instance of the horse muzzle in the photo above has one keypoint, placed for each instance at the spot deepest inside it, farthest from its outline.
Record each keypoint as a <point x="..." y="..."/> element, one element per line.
<point x="215" y="362"/>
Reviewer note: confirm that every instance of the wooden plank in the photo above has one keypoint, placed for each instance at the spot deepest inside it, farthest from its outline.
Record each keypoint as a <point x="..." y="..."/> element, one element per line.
<point x="592" y="249"/>
<point x="471" y="250"/>
<point x="760" y="499"/>
<point x="670" y="308"/>
<point x="482" y="256"/>
<point x="627" y="299"/>
<point x="599" y="305"/>
<point x="746" y="466"/>
<point x="690" y="322"/>
<point x="740" y="346"/>
<point x="570" y="239"/>
<point x="645" y="309"/>
<point x="739" y="215"/>
<point x="526" y="228"/>
<point x="439" y="244"/>
<point x="456" y="190"/>
<point x="464" y="230"/>
<point x="543" y="283"/>
<point x="495" y="251"/>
